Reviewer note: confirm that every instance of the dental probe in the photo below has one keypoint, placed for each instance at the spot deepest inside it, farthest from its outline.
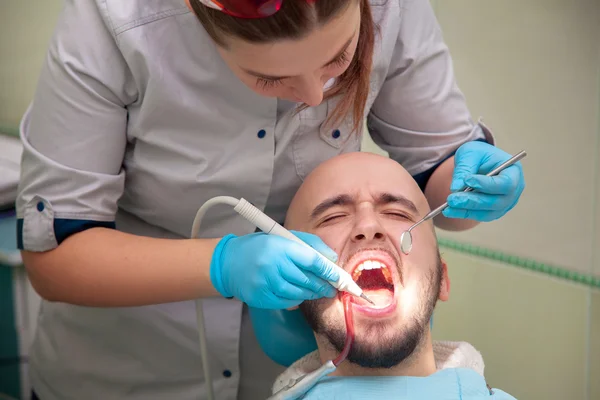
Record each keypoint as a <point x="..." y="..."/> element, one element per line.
<point x="406" y="238"/>
<point x="266" y="224"/>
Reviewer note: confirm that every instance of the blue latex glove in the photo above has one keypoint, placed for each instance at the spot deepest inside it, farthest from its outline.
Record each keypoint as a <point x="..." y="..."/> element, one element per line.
<point x="268" y="271"/>
<point x="283" y="335"/>
<point x="493" y="196"/>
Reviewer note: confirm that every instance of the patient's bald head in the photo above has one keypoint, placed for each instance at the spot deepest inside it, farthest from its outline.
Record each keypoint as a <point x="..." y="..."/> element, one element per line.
<point x="359" y="204"/>
<point x="349" y="173"/>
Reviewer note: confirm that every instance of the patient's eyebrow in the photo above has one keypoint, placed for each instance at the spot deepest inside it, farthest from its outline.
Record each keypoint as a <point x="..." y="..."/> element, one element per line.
<point x="380" y="200"/>
<point x="388" y="198"/>
<point x="339" y="200"/>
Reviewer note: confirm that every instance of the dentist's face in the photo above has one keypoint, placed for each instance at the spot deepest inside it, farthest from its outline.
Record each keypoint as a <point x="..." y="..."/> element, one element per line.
<point x="297" y="70"/>
<point x="360" y="204"/>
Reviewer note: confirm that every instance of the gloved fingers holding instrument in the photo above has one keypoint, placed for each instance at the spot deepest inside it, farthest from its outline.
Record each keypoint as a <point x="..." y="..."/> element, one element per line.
<point x="492" y="196"/>
<point x="272" y="272"/>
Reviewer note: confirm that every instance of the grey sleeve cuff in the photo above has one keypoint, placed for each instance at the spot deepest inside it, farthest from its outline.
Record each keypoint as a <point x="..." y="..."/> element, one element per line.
<point x="55" y="200"/>
<point x="421" y="151"/>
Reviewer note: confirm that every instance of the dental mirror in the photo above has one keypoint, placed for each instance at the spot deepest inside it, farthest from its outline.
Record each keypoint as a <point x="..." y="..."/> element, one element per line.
<point x="406" y="240"/>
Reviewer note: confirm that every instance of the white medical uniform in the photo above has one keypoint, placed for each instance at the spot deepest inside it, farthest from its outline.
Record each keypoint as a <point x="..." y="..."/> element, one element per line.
<point x="137" y="121"/>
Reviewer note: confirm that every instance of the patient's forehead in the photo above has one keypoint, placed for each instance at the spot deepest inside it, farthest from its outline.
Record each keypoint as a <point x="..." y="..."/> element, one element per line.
<point x="361" y="175"/>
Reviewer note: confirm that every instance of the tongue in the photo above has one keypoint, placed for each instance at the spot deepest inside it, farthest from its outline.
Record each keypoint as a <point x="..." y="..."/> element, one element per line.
<point x="381" y="297"/>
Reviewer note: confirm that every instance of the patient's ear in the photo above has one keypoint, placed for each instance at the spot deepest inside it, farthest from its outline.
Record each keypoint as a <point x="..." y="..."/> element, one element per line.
<point x="445" y="284"/>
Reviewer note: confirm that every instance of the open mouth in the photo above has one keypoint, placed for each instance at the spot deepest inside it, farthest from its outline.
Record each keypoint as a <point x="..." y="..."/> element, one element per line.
<point x="376" y="278"/>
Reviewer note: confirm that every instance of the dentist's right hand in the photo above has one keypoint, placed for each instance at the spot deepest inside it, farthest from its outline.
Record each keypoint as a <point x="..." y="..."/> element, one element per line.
<point x="268" y="271"/>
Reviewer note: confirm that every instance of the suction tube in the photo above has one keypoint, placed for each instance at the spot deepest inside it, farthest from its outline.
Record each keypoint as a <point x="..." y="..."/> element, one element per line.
<point x="303" y="384"/>
<point x="232" y="201"/>
<point x="349" y="330"/>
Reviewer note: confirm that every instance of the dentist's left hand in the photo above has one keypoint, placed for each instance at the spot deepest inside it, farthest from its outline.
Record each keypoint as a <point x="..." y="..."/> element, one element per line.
<point x="493" y="196"/>
<point x="268" y="271"/>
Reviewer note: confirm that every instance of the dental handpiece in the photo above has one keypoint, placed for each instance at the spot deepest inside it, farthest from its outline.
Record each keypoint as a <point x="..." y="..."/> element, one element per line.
<point x="271" y="227"/>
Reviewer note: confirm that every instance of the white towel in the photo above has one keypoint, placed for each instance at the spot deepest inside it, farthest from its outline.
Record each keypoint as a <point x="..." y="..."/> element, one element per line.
<point x="446" y="354"/>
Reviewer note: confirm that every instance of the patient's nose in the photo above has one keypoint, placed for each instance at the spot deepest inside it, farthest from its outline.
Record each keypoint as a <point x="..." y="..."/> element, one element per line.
<point x="367" y="228"/>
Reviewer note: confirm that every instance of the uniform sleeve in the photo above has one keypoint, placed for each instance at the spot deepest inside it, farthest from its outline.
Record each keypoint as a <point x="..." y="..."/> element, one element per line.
<point x="74" y="132"/>
<point x="420" y="117"/>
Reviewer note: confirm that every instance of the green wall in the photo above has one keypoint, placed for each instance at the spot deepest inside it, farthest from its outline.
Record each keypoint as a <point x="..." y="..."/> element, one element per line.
<point x="532" y="329"/>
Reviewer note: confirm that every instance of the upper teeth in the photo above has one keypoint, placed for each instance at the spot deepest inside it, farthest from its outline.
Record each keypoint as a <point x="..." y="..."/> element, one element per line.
<point x="369" y="264"/>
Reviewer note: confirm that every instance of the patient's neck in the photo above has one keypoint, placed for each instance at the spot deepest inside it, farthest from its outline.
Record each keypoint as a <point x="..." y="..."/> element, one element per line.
<point x="420" y="363"/>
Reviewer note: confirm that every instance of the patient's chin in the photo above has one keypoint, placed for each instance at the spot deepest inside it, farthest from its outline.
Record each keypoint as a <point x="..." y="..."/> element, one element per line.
<point x="375" y="330"/>
<point x="385" y="348"/>
<point x="378" y="344"/>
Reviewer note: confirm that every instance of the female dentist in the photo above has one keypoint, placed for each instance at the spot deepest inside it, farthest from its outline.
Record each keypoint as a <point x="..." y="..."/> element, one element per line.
<point x="146" y="109"/>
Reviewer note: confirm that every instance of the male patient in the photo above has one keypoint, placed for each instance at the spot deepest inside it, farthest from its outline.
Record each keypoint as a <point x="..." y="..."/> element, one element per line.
<point x="359" y="204"/>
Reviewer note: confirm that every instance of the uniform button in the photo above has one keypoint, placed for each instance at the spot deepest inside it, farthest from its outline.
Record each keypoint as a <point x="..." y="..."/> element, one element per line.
<point x="261" y="133"/>
<point x="40" y="206"/>
<point x="336" y="134"/>
<point x="227" y="373"/>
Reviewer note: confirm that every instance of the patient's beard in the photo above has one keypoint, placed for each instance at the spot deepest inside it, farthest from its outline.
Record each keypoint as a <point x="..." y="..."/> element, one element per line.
<point x="380" y="345"/>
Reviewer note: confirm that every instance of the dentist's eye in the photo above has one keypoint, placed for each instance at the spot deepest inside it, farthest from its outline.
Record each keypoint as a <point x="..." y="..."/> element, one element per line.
<point x="266" y="84"/>
<point x="340" y="60"/>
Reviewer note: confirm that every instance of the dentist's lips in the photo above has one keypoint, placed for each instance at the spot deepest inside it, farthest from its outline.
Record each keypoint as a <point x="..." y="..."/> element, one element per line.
<point x="376" y="273"/>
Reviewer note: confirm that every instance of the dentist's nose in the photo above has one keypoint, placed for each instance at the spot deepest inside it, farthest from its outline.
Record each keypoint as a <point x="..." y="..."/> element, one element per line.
<point x="309" y="90"/>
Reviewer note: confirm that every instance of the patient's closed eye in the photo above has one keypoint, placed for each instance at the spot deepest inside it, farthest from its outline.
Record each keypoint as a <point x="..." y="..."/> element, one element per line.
<point x="333" y="217"/>
<point x="399" y="214"/>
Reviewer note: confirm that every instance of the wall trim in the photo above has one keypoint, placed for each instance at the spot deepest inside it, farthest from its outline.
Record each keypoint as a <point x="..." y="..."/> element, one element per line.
<point x="10" y="130"/>
<point x="521" y="262"/>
